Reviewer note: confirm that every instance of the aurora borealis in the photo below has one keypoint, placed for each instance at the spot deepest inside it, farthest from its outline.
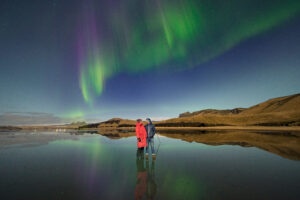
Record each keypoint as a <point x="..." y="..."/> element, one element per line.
<point x="178" y="33"/>
<point x="100" y="59"/>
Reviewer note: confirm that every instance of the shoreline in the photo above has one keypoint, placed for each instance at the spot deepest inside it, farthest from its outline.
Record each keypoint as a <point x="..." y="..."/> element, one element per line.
<point x="246" y="128"/>
<point x="205" y="128"/>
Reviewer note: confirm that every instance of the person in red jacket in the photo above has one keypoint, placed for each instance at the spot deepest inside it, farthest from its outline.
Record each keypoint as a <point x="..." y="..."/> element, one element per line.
<point x="141" y="134"/>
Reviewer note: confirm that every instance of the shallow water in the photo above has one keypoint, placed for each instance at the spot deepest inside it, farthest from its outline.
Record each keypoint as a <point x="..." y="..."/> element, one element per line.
<point x="49" y="165"/>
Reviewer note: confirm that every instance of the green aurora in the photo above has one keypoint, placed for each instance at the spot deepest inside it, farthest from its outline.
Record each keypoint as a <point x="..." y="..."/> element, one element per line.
<point x="137" y="36"/>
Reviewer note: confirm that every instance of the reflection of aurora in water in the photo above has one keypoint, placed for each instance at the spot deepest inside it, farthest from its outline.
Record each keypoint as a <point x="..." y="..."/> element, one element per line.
<point x="143" y="35"/>
<point x="97" y="167"/>
<point x="92" y="154"/>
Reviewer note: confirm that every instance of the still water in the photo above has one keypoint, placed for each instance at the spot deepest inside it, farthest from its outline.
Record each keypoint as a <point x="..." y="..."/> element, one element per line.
<point x="78" y="165"/>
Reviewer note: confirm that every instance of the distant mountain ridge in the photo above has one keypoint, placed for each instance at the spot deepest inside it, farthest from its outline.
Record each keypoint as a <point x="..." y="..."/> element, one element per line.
<point x="112" y="123"/>
<point x="212" y="111"/>
<point x="280" y="104"/>
<point x="280" y="111"/>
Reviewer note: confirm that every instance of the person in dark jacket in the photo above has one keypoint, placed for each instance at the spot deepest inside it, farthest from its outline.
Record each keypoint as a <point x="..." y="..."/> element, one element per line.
<point x="150" y="129"/>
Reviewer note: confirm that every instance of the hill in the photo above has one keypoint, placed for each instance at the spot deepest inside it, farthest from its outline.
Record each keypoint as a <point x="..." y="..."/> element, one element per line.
<point x="112" y="123"/>
<point x="281" y="111"/>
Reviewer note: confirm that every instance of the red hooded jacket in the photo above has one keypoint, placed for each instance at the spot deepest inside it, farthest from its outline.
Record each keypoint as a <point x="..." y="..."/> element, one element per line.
<point x="142" y="134"/>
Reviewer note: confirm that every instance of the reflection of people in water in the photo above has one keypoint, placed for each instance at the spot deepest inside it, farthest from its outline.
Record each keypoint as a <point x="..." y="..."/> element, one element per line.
<point x="141" y="175"/>
<point x="145" y="178"/>
<point x="151" y="185"/>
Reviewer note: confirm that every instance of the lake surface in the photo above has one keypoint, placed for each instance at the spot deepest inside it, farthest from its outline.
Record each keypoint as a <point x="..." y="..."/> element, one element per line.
<point x="79" y="165"/>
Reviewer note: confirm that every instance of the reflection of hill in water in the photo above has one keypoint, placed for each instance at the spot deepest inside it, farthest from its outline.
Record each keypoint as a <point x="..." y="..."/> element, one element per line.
<point x="286" y="145"/>
<point x="115" y="133"/>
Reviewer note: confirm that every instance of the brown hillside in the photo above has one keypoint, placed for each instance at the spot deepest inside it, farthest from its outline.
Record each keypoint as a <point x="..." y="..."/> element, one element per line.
<point x="282" y="111"/>
<point x="281" y="104"/>
<point x="212" y="111"/>
<point x="112" y="123"/>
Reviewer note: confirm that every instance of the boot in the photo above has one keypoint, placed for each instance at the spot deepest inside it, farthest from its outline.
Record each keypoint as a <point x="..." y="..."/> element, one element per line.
<point x="154" y="156"/>
<point x="147" y="156"/>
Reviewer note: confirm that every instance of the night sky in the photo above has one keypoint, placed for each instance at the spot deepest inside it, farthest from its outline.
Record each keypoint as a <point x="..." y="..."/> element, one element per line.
<point x="97" y="59"/>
